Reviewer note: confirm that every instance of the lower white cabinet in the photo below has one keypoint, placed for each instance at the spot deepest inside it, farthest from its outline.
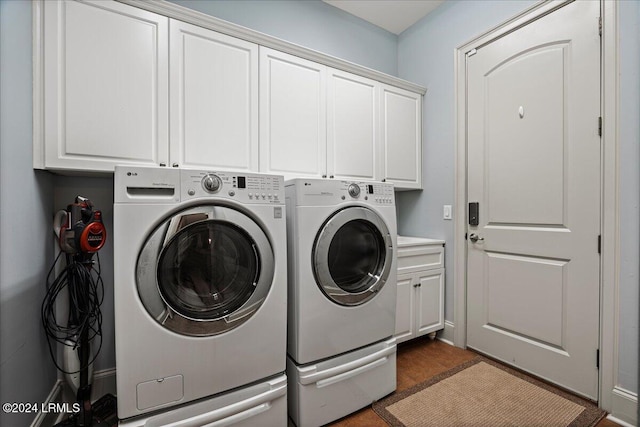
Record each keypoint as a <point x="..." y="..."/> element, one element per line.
<point x="420" y="301"/>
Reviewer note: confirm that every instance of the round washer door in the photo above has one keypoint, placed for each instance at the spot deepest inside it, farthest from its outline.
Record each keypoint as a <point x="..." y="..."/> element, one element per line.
<point x="352" y="256"/>
<point x="205" y="270"/>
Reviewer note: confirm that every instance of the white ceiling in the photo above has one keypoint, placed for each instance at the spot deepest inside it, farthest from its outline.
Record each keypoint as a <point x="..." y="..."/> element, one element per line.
<point x="392" y="15"/>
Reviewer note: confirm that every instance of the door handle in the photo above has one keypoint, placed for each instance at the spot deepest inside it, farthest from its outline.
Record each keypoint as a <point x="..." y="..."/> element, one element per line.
<point x="474" y="237"/>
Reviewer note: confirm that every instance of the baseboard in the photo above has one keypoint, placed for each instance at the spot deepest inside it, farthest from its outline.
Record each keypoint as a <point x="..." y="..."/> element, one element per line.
<point x="619" y="422"/>
<point x="48" y="419"/>
<point x="104" y="382"/>
<point x="446" y="335"/>
<point x="624" y="406"/>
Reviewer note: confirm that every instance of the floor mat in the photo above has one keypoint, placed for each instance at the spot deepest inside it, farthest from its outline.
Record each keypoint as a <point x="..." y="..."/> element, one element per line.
<point x="482" y="392"/>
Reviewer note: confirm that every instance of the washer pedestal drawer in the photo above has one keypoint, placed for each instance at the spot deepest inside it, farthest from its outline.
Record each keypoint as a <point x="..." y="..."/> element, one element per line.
<point x="261" y="404"/>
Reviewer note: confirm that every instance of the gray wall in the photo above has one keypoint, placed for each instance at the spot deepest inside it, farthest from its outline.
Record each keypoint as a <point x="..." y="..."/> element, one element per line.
<point x="312" y="24"/>
<point x="26" y="247"/>
<point x="629" y="135"/>
<point x="426" y="56"/>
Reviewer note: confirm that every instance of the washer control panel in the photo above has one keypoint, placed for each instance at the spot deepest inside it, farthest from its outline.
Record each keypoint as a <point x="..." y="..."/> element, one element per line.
<point x="381" y="193"/>
<point x="245" y="188"/>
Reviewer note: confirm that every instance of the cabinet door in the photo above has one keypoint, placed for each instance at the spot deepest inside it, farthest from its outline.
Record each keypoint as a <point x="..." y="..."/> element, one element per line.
<point x="352" y="119"/>
<point x="405" y="323"/>
<point x="213" y="99"/>
<point x="105" y="86"/>
<point x="293" y="109"/>
<point x="430" y="302"/>
<point x="401" y="123"/>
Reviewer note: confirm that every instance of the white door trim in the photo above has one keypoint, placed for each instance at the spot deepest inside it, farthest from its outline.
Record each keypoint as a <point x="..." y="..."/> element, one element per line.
<point x="609" y="178"/>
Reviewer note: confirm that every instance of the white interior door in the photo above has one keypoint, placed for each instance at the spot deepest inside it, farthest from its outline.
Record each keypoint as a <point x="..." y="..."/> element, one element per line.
<point x="534" y="169"/>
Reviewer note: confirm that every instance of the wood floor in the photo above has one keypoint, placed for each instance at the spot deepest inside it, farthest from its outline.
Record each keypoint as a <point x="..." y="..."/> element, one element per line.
<point x="417" y="361"/>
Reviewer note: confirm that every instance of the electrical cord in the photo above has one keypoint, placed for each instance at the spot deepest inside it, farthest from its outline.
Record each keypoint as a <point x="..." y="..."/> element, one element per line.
<point x="85" y="295"/>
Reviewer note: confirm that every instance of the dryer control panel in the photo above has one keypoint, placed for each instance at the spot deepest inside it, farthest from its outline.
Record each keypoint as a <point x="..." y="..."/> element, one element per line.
<point x="325" y="192"/>
<point x="244" y="188"/>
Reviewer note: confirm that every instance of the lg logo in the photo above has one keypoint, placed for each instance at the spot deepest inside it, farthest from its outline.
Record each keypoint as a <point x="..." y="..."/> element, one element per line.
<point x="132" y="173"/>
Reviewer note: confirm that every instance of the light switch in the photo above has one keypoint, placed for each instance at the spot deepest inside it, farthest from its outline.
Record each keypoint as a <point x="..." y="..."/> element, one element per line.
<point x="446" y="212"/>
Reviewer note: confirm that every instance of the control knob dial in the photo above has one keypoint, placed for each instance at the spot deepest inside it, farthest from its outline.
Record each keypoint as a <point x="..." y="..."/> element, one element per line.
<point x="211" y="183"/>
<point x="354" y="190"/>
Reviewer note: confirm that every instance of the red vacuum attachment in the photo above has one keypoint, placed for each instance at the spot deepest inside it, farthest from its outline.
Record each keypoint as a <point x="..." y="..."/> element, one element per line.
<point x="83" y="230"/>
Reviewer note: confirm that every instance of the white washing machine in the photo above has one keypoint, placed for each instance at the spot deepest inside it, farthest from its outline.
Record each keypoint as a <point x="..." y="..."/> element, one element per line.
<point x="341" y="238"/>
<point x="200" y="297"/>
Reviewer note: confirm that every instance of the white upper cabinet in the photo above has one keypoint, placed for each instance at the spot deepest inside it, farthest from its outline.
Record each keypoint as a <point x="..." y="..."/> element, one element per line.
<point x="105" y="86"/>
<point x="115" y="84"/>
<point x="401" y="128"/>
<point x="213" y="99"/>
<point x="316" y="121"/>
<point x="293" y="102"/>
<point x="352" y="126"/>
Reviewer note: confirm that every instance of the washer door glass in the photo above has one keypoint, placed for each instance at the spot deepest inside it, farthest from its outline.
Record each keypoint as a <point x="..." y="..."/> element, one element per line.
<point x="213" y="268"/>
<point x="352" y="256"/>
<point x="208" y="269"/>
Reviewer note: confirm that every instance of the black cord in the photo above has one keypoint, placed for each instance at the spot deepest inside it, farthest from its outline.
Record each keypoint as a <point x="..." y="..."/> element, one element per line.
<point x="85" y="294"/>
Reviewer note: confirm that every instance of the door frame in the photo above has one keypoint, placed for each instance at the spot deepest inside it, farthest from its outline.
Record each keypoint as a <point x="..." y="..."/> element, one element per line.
<point x="609" y="259"/>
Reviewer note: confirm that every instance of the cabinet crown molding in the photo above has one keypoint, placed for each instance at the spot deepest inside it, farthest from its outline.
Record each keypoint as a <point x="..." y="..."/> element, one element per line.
<point x="200" y="19"/>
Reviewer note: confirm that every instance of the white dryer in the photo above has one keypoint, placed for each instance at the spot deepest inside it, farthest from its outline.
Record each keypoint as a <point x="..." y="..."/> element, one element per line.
<point x="200" y="297"/>
<point x="341" y="238"/>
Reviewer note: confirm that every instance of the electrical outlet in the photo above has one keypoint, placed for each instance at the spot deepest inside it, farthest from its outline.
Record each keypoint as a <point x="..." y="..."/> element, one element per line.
<point x="446" y="212"/>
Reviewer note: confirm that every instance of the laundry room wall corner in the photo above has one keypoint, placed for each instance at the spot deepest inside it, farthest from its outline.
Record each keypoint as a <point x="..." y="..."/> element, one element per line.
<point x="26" y="248"/>
<point x="629" y="137"/>
<point x="100" y="192"/>
<point x="426" y="56"/>
<point x="426" y="53"/>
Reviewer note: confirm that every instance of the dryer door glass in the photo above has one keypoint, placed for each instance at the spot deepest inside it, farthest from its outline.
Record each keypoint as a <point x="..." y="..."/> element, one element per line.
<point x="352" y="256"/>
<point x="356" y="256"/>
<point x="205" y="270"/>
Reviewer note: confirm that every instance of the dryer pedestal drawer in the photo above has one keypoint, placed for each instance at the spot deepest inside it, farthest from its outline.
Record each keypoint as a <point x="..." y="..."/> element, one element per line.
<point x="328" y="390"/>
